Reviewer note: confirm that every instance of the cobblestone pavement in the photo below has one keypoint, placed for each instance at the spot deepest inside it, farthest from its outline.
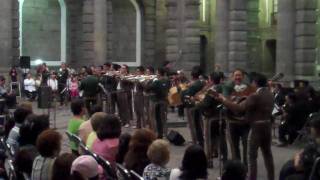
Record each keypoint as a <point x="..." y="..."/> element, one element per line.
<point x="281" y="155"/>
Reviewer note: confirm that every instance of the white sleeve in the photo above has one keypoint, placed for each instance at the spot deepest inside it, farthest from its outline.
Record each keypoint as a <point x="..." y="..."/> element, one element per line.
<point x="175" y="173"/>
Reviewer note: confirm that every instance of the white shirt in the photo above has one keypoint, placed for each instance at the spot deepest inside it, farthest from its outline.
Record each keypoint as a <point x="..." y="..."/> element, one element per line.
<point x="53" y="83"/>
<point x="29" y="85"/>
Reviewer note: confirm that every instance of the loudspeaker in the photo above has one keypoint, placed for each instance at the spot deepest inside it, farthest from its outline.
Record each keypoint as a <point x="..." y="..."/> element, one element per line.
<point x="25" y="62"/>
<point x="176" y="138"/>
<point x="44" y="97"/>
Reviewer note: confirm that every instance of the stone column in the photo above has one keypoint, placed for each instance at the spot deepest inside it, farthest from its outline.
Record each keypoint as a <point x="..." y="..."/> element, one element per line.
<point x="191" y="42"/>
<point x="305" y="38"/>
<point x="100" y="31"/>
<point x="173" y="31"/>
<point x="285" y="38"/>
<point x="222" y="34"/>
<point x="87" y="53"/>
<point x="238" y="27"/>
<point x="183" y="34"/>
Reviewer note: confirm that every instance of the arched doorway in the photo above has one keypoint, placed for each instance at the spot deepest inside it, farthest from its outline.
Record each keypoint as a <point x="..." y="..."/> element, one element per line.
<point x="126" y="30"/>
<point x="43" y="30"/>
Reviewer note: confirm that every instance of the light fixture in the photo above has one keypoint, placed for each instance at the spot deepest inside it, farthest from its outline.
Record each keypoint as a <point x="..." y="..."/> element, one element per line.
<point x="38" y="62"/>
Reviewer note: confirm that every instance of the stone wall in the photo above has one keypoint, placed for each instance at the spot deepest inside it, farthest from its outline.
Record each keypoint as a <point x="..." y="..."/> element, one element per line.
<point x="5" y="34"/>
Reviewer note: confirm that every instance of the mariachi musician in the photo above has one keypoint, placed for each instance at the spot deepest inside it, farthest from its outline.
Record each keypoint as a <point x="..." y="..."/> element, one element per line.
<point x="238" y="127"/>
<point x="110" y="83"/>
<point x="158" y="89"/>
<point x="138" y="99"/>
<point x="193" y="114"/>
<point x="214" y="130"/>
<point x="124" y="97"/>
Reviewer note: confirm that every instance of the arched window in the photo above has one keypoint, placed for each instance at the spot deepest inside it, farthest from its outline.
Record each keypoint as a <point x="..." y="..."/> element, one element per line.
<point x="127" y="39"/>
<point x="43" y="30"/>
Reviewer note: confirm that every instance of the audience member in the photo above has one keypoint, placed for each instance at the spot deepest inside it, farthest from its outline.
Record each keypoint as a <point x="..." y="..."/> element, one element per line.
<point x="159" y="155"/>
<point x="20" y="115"/>
<point x="62" y="167"/>
<point x="96" y="120"/>
<point x="48" y="145"/>
<point x="78" y="111"/>
<point x="30" y="87"/>
<point x="85" y="168"/>
<point x="124" y="141"/>
<point x="194" y="165"/>
<point x="106" y="145"/>
<point x="86" y="128"/>
<point x="24" y="159"/>
<point x="234" y="169"/>
<point x="31" y="128"/>
<point x="300" y="167"/>
<point x="136" y="158"/>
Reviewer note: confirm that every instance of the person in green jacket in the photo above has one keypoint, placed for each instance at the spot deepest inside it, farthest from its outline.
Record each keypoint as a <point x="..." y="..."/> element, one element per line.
<point x="78" y="110"/>
<point x="90" y="88"/>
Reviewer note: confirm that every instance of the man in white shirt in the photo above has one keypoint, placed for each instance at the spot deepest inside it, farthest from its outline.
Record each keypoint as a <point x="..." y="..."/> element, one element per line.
<point x="30" y="87"/>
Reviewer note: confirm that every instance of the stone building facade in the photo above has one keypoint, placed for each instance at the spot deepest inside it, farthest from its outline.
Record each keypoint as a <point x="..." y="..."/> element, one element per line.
<point x="269" y="36"/>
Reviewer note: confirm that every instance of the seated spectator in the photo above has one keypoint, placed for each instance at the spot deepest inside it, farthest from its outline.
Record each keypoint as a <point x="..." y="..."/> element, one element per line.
<point x="234" y="169"/>
<point x="78" y="111"/>
<point x="31" y="128"/>
<point x="159" y="155"/>
<point x="124" y="141"/>
<point x="86" y="128"/>
<point x="23" y="161"/>
<point x="20" y="115"/>
<point x="95" y="121"/>
<point x="301" y="165"/>
<point x="194" y="165"/>
<point x="106" y="145"/>
<point x="30" y="87"/>
<point x="48" y="145"/>
<point x="62" y="167"/>
<point x="85" y="167"/>
<point x="295" y="115"/>
<point x="136" y="158"/>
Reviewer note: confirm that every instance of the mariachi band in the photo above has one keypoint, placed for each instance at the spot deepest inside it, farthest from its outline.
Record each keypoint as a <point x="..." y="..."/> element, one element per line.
<point x="147" y="96"/>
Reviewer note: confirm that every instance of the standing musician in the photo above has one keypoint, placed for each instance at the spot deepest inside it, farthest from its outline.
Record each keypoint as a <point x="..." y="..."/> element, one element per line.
<point x="193" y="114"/>
<point x="214" y="133"/>
<point x="110" y="83"/>
<point x="139" y="99"/>
<point x="159" y="88"/>
<point x="124" y="97"/>
<point x="238" y="130"/>
<point x="90" y="87"/>
<point x="257" y="108"/>
<point x="146" y="97"/>
<point x="63" y="76"/>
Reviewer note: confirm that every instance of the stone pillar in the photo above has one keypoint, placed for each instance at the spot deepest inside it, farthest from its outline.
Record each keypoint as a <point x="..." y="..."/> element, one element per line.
<point x="173" y="31"/>
<point x="183" y="34"/>
<point x="148" y="32"/>
<point x="15" y="33"/>
<point x="191" y="46"/>
<point x="87" y="53"/>
<point x="222" y="34"/>
<point x="238" y="27"/>
<point x="285" y="38"/>
<point x="305" y="38"/>
<point x="100" y="31"/>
